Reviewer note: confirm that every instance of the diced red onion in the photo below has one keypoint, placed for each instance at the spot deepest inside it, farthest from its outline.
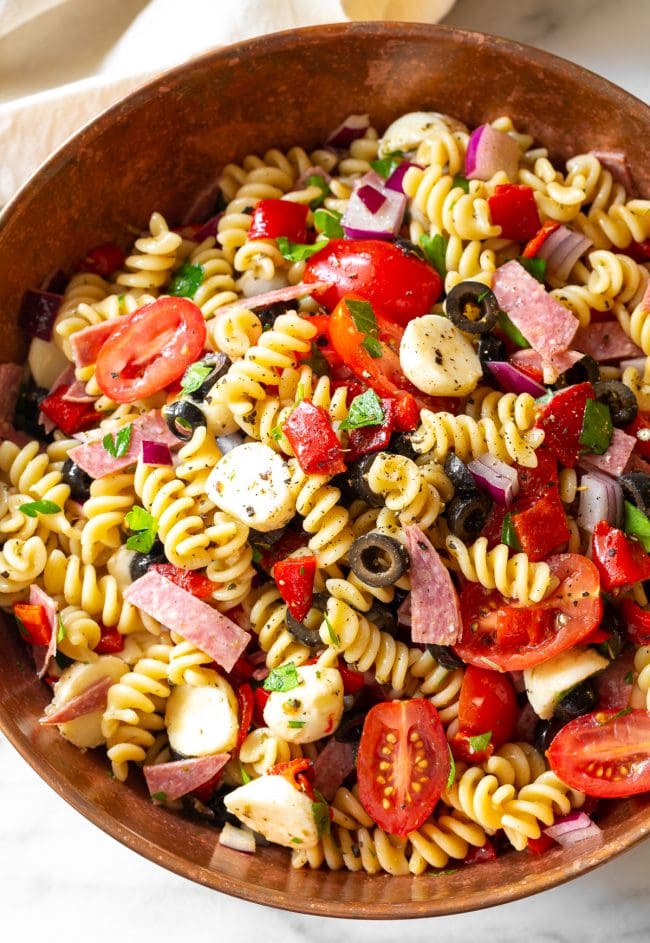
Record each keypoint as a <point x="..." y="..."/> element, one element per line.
<point x="513" y="380"/>
<point x="499" y="480"/>
<point x="396" y="179"/>
<point x="360" y="223"/>
<point x="601" y="500"/>
<point x="404" y="611"/>
<point x="616" y="163"/>
<point x="227" y="443"/>
<point x="572" y="828"/>
<point x="38" y="313"/>
<point x="209" y="228"/>
<point x="354" y="126"/>
<point x="371" y="198"/>
<point x="238" y="838"/>
<point x="489" y="151"/>
<point x="156" y="453"/>
<point x="562" y="249"/>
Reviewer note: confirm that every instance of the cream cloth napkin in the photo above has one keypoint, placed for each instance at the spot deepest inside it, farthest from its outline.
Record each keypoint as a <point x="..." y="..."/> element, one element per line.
<point x="64" y="61"/>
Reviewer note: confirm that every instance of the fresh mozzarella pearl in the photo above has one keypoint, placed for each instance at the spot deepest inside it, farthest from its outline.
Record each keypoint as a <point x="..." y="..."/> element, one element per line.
<point x="85" y="731"/>
<point x="437" y="358"/>
<point x="272" y="806"/>
<point x="251" y="482"/>
<point x="46" y="362"/>
<point x="202" y="720"/>
<point x="309" y="711"/>
<point x="546" y="683"/>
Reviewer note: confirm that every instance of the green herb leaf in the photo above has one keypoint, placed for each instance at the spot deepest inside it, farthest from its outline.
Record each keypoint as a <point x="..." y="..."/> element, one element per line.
<point x="276" y="433"/>
<point x="321" y="812"/>
<point x="534" y="267"/>
<point x="363" y="316"/>
<point x="298" y="252"/>
<point x="118" y="446"/>
<point x="316" y="180"/>
<point x="160" y="796"/>
<point x="437" y="874"/>
<point x="637" y="524"/>
<point x="145" y="526"/>
<point x="245" y="778"/>
<point x="317" y="361"/>
<point x="296" y="841"/>
<point x="480" y="742"/>
<point x="194" y="376"/>
<point x="629" y="678"/>
<point x="365" y="410"/>
<point x="460" y="180"/>
<point x="62" y="632"/>
<point x="597" y="428"/>
<point x="334" y="639"/>
<point x="186" y="280"/>
<point x="435" y="252"/>
<point x="296" y="724"/>
<point x="623" y="713"/>
<point x="285" y="678"/>
<point x="451" y="779"/>
<point x="373" y="346"/>
<point x="328" y="222"/>
<point x="511" y="331"/>
<point x="257" y="554"/>
<point x="386" y="165"/>
<point x="509" y="534"/>
<point x="32" y="508"/>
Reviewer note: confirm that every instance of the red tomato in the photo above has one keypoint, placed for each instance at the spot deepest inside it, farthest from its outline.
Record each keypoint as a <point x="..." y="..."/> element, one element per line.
<point x="542" y="527"/>
<point x="353" y="681"/>
<point x="150" y="349"/>
<point x="562" y="418"/>
<point x="294" y="577"/>
<point x="398" y="284"/>
<point x="102" y="260"/>
<point x="620" y="561"/>
<point x="195" y="583"/>
<point x="604" y="754"/>
<point x="509" y="637"/>
<point x="637" y="622"/>
<point x="487" y="702"/>
<point x="313" y="440"/>
<point x="641" y="424"/>
<point x="464" y="751"/>
<point x="33" y="623"/>
<point x="513" y="208"/>
<point x="110" y="641"/>
<point x="246" y="704"/>
<point x="486" y="852"/>
<point x="296" y="772"/>
<point x="539" y="846"/>
<point x="409" y="738"/>
<point x="273" y="218"/>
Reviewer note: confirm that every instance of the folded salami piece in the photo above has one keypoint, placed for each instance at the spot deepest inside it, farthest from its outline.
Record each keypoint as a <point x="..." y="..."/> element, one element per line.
<point x="332" y="766"/>
<point x="211" y="631"/>
<point x="179" y="777"/>
<point x="435" y="609"/>
<point x="97" y="461"/>
<point x="42" y="654"/>
<point x="614" y="461"/>
<point x="606" y="340"/>
<point x="86" y="344"/>
<point x="90" y="700"/>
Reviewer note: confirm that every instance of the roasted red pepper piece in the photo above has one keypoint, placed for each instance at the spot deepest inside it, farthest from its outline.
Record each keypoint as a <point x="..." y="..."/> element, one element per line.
<point x="205" y="792"/>
<point x="261" y="697"/>
<point x="294" y="578"/>
<point x="372" y="438"/>
<point x="110" y="641"/>
<point x="542" y="527"/>
<point x="620" y="561"/>
<point x="33" y="623"/>
<point x="639" y="251"/>
<point x="486" y="852"/>
<point x="353" y="681"/>
<point x="102" y="260"/>
<point x="637" y="622"/>
<point x="313" y="440"/>
<point x="290" y="541"/>
<point x="513" y="208"/>
<point x="518" y="627"/>
<point x="246" y="704"/>
<point x="273" y="218"/>
<point x="539" y="239"/>
<point x="562" y="419"/>
<point x="640" y="425"/>
<point x="538" y="846"/>
<point x="195" y="583"/>
<point x="69" y="417"/>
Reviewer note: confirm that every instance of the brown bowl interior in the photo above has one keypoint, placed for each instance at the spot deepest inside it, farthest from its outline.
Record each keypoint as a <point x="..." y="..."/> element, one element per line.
<point x="158" y="149"/>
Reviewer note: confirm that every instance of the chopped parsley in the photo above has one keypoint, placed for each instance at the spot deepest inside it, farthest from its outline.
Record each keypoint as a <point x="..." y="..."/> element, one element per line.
<point x="451" y="779"/>
<point x="321" y="812"/>
<point x="637" y="524"/>
<point x="159" y="796"/>
<point x="296" y="841"/>
<point x="298" y="252"/>
<point x="534" y="267"/>
<point x="62" y="632"/>
<point x="480" y="742"/>
<point x="435" y="252"/>
<point x="317" y="361"/>
<point x="328" y="222"/>
<point x="373" y="346"/>
<point x="285" y="678"/>
<point x="296" y="724"/>
<point x="629" y="678"/>
<point x="118" y="446"/>
<point x="509" y="534"/>
<point x="460" y="180"/>
<point x="145" y="527"/>
<point x="32" y="508"/>
<point x="186" y="280"/>
<point x="385" y="166"/>
<point x="334" y="639"/>
<point x="195" y="376"/>
<point x="363" y="316"/>
<point x="317" y="180"/>
<point x="365" y="410"/>
<point x="245" y="778"/>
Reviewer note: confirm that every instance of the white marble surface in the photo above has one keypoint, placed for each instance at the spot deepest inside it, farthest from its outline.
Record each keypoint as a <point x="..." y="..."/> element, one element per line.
<point x="61" y="875"/>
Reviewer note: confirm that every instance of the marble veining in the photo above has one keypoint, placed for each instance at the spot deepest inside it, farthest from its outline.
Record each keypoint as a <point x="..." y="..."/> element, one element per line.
<point x="61" y="875"/>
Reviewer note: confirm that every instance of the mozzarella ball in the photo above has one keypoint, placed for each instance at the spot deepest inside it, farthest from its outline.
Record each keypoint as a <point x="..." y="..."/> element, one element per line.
<point x="271" y="806"/>
<point x="85" y="731"/>
<point x="437" y="358"/>
<point x="251" y="482"/>
<point x="309" y="711"/>
<point x="202" y="720"/>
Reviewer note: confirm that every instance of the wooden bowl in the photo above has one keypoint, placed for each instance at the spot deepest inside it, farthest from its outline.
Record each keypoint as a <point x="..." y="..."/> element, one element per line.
<point x="158" y="149"/>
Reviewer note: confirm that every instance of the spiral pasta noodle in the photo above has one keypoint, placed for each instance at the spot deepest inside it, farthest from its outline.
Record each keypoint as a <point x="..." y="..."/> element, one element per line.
<point x="440" y="433"/>
<point x="515" y="577"/>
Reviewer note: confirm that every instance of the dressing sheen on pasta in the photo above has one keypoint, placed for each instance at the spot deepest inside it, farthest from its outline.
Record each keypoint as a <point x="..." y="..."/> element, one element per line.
<point x="304" y="481"/>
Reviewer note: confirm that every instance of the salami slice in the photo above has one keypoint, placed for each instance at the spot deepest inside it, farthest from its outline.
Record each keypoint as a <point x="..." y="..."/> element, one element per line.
<point x="196" y="621"/>
<point x="614" y="461"/>
<point x="97" y="462"/>
<point x="332" y="766"/>
<point x="435" y="609"/>
<point x="289" y="293"/>
<point x="180" y="777"/>
<point x="92" y="699"/>
<point x="606" y="340"/>
<point x="42" y="654"/>
<point x="86" y="344"/>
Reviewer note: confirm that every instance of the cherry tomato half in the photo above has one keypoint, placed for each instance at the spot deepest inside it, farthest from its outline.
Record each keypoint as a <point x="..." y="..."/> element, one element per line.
<point x="403" y="763"/>
<point x="508" y="637"/>
<point x="487" y="702"/>
<point x="399" y="285"/>
<point x="604" y="754"/>
<point x="150" y="349"/>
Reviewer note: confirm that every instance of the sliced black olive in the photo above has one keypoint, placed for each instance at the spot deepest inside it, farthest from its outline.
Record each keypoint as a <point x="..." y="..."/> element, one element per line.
<point x="490" y="347"/>
<point x="27" y="411"/>
<point x="636" y="490"/>
<point x="585" y="370"/>
<point x="377" y="559"/>
<point x="460" y="476"/>
<point x="140" y="562"/>
<point x="268" y="314"/>
<point x="579" y="700"/>
<point x="622" y="403"/>
<point x="214" y="809"/>
<point x="472" y="307"/>
<point x="358" y="477"/>
<point x="467" y="515"/>
<point x="408" y="247"/>
<point x="545" y="732"/>
<point x="612" y="623"/>
<point x="351" y="726"/>
<point x="182" y="418"/>
<point x="309" y="637"/>
<point x="218" y="364"/>
<point x="383" y="618"/>
<point x="445" y="656"/>
<point x="402" y="444"/>
<point x="77" y="479"/>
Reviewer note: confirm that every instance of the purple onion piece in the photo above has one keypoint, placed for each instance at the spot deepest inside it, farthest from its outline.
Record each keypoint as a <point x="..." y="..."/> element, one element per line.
<point x="354" y="126"/>
<point x="56" y="282"/>
<point x="489" y="151"/>
<point x="209" y="228"/>
<point x="599" y="501"/>
<point x="572" y="828"/>
<point x="638" y="363"/>
<point x="561" y="250"/>
<point x="156" y="453"/>
<point x="499" y="480"/>
<point x="396" y="179"/>
<point x="360" y="223"/>
<point x="371" y="198"/>
<point x="513" y="380"/>
<point x="38" y="313"/>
